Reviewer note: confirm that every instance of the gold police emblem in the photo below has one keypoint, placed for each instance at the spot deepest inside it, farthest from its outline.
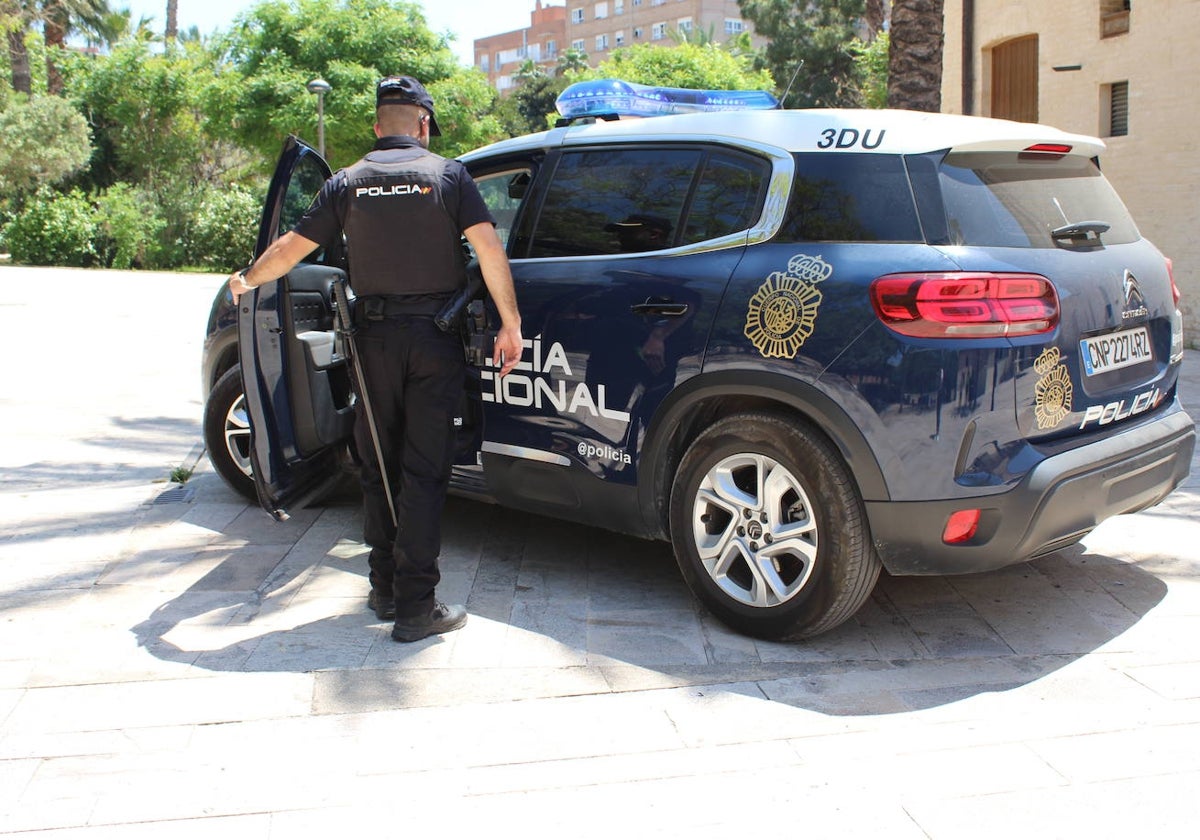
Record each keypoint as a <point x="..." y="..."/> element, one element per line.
<point x="783" y="312"/>
<point x="1053" y="391"/>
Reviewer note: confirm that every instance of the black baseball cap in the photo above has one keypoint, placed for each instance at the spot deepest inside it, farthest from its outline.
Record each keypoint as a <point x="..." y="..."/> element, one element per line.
<point x="405" y="90"/>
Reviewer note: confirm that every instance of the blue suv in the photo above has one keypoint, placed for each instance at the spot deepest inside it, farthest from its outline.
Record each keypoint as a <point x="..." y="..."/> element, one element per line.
<point x="802" y="346"/>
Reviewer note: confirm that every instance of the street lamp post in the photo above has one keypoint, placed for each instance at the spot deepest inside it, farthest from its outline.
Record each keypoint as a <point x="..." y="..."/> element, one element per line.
<point x="320" y="87"/>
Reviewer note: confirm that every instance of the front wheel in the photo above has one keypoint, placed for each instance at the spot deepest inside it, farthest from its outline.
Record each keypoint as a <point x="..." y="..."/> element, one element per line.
<point x="227" y="433"/>
<point x="769" y="530"/>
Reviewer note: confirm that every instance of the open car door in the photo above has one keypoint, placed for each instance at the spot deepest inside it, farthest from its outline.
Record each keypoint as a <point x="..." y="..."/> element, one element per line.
<point x="296" y="382"/>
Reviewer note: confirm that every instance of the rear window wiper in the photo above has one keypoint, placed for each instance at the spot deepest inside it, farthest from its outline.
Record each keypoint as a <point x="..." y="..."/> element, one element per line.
<point x="1079" y="230"/>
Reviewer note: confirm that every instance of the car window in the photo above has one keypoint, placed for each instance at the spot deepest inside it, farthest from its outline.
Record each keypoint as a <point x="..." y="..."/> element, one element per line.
<point x="727" y="199"/>
<point x="306" y="181"/>
<point x="1014" y="200"/>
<point x="614" y="201"/>
<point x="502" y="193"/>
<point x="850" y="198"/>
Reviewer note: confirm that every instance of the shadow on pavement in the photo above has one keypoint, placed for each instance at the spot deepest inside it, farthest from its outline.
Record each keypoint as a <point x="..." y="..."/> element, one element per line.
<point x="561" y="610"/>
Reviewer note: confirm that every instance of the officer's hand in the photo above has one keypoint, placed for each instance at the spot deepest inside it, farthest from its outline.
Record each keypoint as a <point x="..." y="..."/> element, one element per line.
<point x="237" y="285"/>
<point x="507" y="350"/>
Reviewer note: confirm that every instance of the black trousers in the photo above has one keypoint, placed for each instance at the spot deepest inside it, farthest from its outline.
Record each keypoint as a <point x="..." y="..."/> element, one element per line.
<point x="416" y="375"/>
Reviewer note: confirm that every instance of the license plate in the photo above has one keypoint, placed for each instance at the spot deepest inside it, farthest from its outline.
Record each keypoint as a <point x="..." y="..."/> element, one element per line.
<point x="1104" y="353"/>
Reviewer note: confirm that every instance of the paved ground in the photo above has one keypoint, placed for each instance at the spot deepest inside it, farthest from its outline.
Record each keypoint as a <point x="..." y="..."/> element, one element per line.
<point x="189" y="668"/>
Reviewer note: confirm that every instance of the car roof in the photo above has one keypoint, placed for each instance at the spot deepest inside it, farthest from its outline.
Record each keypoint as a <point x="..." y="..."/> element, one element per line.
<point x="881" y="131"/>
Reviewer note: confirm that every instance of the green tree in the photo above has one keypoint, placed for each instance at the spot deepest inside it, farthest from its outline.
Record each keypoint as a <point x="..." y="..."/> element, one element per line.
<point x="687" y="65"/>
<point x="915" y="67"/>
<point x="810" y="48"/>
<point x="145" y="109"/>
<point x="872" y="62"/>
<point x="277" y="47"/>
<point x="45" y="141"/>
<point x="571" y="61"/>
<point x="530" y="107"/>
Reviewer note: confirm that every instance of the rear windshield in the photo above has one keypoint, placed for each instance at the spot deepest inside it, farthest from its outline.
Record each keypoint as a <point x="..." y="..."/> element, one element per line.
<point x="1014" y="200"/>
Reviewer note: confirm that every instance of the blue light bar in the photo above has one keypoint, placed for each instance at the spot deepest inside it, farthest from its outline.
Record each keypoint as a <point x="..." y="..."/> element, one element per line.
<point x="613" y="96"/>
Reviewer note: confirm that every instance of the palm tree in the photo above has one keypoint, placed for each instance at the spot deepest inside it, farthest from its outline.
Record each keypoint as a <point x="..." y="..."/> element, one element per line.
<point x="172" y="22"/>
<point x="16" y="18"/>
<point x="915" y="61"/>
<point x="571" y="60"/>
<point x="60" y="17"/>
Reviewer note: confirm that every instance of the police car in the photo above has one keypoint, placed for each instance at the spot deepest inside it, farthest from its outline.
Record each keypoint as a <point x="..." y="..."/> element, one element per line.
<point x="802" y="346"/>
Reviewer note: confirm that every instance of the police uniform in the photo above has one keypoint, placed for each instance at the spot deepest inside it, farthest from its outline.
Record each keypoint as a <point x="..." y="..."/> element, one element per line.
<point x="403" y="210"/>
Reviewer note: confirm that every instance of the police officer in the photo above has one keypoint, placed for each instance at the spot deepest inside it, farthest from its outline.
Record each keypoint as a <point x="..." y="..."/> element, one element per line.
<point x="403" y="211"/>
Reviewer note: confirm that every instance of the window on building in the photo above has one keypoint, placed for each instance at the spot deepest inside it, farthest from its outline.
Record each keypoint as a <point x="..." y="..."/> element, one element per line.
<point x="619" y="38"/>
<point x="577" y="15"/>
<point x="484" y="63"/>
<point x="551" y="48"/>
<point x="684" y="24"/>
<point x="733" y="26"/>
<point x="504" y="83"/>
<point x="1117" y="112"/>
<point x="1114" y="17"/>
<point x="601" y="43"/>
<point x="600" y="11"/>
<point x="658" y="31"/>
<point x="618" y="7"/>
<point x="577" y="44"/>
<point x="638" y="33"/>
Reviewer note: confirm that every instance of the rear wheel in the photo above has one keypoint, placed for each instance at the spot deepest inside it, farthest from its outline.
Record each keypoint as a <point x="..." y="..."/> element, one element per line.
<point x="769" y="530"/>
<point x="227" y="433"/>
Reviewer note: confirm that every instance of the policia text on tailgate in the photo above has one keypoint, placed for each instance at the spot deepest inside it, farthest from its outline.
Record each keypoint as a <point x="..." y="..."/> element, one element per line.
<point x="800" y="345"/>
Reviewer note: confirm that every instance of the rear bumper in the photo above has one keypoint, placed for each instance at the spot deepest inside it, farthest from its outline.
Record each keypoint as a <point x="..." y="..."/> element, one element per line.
<point x="1057" y="503"/>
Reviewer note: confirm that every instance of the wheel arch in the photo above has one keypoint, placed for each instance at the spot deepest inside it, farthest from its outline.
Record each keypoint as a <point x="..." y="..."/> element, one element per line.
<point x="705" y="399"/>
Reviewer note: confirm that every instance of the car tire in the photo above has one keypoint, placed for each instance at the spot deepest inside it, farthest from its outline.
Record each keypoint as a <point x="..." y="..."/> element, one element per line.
<point x="769" y="529"/>
<point x="227" y="433"/>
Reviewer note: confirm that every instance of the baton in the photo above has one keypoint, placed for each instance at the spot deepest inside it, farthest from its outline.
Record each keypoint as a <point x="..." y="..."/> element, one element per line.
<point x="346" y="328"/>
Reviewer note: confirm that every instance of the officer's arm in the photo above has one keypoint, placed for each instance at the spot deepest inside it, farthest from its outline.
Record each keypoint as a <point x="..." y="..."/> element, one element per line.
<point x="275" y="262"/>
<point x="493" y="262"/>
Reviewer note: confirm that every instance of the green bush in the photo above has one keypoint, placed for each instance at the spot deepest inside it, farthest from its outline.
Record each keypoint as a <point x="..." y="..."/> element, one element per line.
<point x="53" y="229"/>
<point x="223" y="228"/>
<point x="128" y="227"/>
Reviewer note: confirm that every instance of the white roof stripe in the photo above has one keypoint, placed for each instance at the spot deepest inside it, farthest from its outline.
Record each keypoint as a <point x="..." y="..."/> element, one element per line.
<point x="820" y="130"/>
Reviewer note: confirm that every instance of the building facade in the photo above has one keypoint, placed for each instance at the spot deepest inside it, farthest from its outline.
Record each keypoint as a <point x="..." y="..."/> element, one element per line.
<point x="599" y="26"/>
<point x="501" y="56"/>
<point x="1116" y="69"/>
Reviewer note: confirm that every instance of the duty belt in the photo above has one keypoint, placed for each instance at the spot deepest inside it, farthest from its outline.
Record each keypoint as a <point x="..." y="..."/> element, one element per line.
<point x="378" y="307"/>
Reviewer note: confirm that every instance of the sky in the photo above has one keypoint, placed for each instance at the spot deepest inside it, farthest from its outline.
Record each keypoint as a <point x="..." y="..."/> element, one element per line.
<point x="467" y="19"/>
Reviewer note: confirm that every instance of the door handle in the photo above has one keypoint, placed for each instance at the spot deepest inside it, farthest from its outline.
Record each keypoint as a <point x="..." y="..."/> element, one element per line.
<point x="660" y="308"/>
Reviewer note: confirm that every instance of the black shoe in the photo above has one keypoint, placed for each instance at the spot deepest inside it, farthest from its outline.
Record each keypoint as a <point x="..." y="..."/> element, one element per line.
<point x="383" y="605"/>
<point x="441" y="619"/>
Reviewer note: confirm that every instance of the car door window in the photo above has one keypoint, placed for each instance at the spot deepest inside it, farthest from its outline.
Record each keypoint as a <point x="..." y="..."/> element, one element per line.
<point x="503" y="193"/>
<point x="615" y="201"/>
<point x="307" y="180"/>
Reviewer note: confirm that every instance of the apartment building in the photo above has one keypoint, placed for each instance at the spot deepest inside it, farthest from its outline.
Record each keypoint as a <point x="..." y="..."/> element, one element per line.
<point x="1116" y="69"/>
<point x="500" y="56"/>
<point x="599" y="26"/>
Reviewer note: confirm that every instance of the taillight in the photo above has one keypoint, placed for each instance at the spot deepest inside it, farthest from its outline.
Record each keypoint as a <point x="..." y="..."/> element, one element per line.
<point x="1171" y="276"/>
<point x="965" y="304"/>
